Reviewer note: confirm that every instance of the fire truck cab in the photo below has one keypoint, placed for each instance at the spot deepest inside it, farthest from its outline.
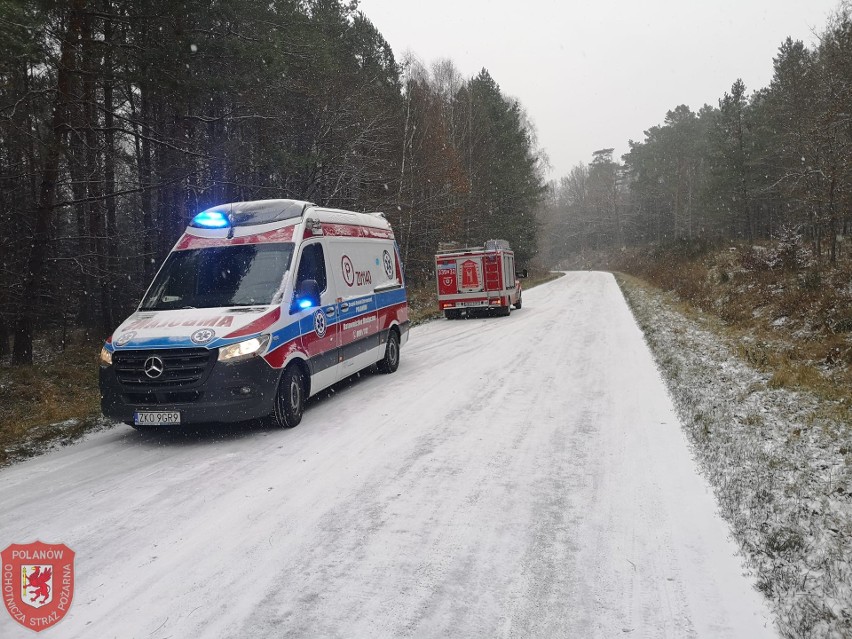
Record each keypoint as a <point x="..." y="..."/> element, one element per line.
<point x="479" y="278"/>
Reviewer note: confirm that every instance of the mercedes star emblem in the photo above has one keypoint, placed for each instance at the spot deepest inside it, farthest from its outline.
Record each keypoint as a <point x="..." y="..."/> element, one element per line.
<point x="153" y="367"/>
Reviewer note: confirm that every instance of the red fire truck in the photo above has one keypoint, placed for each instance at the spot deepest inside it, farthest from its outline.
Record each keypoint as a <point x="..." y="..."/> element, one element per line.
<point x="481" y="278"/>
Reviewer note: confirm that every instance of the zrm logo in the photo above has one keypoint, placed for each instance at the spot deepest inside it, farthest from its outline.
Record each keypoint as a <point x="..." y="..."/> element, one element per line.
<point x="38" y="583"/>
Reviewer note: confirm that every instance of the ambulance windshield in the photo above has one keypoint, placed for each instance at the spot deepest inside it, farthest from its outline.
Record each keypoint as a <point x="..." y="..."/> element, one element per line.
<point x="244" y="275"/>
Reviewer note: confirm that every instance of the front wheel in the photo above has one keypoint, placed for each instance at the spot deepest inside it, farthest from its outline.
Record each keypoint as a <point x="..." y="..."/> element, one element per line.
<point x="290" y="398"/>
<point x="390" y="362"/>
<point x="518" y="303"/>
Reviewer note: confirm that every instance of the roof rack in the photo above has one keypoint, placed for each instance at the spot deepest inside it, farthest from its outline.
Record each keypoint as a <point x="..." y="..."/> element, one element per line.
<point x="490" y="245"/>
<point x="461" y="249"/>
<point x="497" y="245"/>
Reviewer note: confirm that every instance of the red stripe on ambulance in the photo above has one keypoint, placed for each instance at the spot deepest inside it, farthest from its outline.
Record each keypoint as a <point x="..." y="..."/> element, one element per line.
<point x="257" y="325"/>
<point x="189" y="241"/>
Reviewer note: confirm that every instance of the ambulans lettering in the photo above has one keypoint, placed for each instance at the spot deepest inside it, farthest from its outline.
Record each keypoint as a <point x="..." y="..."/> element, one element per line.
<point x="221" y="320"/>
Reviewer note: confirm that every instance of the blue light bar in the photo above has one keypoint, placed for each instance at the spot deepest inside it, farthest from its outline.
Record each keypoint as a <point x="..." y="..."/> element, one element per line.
<point x="211" y="220"/>
<point x="305" y="304"/>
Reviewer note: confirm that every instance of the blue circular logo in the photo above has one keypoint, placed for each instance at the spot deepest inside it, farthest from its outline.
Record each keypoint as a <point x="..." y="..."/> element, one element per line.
<point x="320" y="324"/>
<point x="388" y="264"/>
<point x="202" y="335"/>
<point x="124" y="338"/>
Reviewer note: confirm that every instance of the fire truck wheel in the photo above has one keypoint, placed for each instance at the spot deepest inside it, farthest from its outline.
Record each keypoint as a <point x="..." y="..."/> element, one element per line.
<point x="518" y="303"/>
<point x="290" y="399"/>
<point x="390" y="362"/>
<point x="505" y="310"/>
<point x="452" y="314"/>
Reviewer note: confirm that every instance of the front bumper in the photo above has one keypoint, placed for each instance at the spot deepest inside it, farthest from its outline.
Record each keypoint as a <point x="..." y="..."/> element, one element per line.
<point x="225" y="392"/>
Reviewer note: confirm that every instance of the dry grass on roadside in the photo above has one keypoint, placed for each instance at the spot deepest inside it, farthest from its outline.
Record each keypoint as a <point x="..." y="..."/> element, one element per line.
<point x="53" y="401"/>
<point x="787" y="316"/>
<point x="779" y="460"/>
<point x="422" y="304"/>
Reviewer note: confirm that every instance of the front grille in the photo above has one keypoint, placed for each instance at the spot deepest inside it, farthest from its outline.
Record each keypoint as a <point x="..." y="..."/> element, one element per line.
<point x="181" y="367"/>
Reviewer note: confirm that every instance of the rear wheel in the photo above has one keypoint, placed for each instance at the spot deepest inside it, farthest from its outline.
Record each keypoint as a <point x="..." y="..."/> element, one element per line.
<point x="290" y="398"/>
<point x="518" y="303"/>
<point x="452" y="313"/>
<point x="390" y="362"/>
<point x="505" y="310"/>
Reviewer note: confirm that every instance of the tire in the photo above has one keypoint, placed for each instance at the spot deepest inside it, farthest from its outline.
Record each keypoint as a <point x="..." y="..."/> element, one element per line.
<point x="452" y="314"/>
<point x="390" y="362"/>
<point x="505" y="310"/>
<point x="518" y="303"/>
<point x="290" y="398"/>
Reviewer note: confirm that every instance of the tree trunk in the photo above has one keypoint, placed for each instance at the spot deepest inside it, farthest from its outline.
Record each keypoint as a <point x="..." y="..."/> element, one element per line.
<point x="23" y="349"/>
<point x="107" y="301"/>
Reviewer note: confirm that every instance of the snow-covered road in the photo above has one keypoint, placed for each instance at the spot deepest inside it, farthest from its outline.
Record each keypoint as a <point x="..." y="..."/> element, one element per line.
<point x="517" y="477"/>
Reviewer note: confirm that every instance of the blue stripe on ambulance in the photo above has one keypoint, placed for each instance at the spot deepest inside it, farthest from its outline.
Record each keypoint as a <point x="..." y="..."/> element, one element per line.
<point x="376" y="301"/>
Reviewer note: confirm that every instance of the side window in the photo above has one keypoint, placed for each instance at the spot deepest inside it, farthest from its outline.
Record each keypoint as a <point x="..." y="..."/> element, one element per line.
<point x="312" y="266"/>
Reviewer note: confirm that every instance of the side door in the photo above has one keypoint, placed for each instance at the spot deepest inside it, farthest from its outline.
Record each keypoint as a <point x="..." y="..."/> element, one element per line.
<point x="318" y="326"/>
<point x="510" y="282"/>
<point x="356" y="266"/>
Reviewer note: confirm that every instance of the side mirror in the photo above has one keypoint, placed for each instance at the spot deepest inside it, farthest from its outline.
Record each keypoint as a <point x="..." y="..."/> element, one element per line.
<point x="521" y="274"/>
<point x="307" y="295"/>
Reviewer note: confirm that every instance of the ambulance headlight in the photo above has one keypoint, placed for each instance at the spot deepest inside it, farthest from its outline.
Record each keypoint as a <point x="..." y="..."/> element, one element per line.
<point x="243" y="350"/>
<point x="105" y="358"/>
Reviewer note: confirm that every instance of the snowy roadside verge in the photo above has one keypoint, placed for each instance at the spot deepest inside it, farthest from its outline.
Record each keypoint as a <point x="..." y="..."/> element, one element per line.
<point x="780" y="466"/>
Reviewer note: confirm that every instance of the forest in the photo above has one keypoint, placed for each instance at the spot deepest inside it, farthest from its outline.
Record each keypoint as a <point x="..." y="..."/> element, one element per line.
<point x="756" y="166"/>
<point x="121" y="119"/>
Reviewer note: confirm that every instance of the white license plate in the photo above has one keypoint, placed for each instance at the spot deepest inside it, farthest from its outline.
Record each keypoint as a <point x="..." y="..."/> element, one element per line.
<point x="474" y="303"/>
<point x="156" y="418"/>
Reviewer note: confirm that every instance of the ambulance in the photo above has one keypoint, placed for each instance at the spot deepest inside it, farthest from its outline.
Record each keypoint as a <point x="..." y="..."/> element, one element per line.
<point x="258" y="306"/>
<point x="479" y="278"/>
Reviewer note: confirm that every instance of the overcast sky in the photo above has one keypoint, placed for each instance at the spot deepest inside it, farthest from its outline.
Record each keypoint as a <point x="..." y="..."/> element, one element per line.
<point x="595" y="74"/>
